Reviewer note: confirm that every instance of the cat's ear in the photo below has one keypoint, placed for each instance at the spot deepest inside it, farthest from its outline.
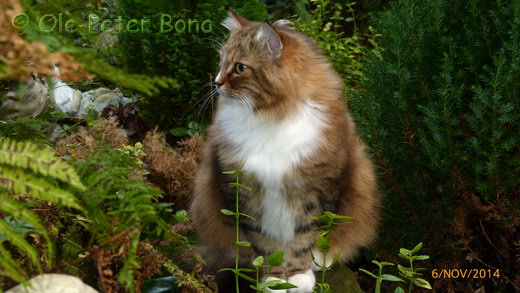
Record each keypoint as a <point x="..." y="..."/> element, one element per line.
<point x="271" y="39"/>
<point x="282" y="23"/>
<point x="234" y="21"/>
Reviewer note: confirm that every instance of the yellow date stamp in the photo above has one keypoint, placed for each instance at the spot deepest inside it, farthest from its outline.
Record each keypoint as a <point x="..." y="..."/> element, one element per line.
<point x="465" y="273"/>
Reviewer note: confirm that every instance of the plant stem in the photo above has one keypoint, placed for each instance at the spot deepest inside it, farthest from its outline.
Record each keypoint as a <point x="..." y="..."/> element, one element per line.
<point x="257" y="276"/>
<point x="379" y="280"/>
<point x="237" y="231"/>
<point x="411" y="281"/>
<point x="323" y="268"/>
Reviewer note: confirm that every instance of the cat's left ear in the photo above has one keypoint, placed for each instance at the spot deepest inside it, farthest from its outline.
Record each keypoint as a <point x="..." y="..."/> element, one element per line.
<point x="272" y="40"/>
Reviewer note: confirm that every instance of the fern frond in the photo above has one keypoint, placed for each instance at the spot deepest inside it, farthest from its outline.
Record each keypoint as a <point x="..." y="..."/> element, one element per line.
<point x="10" y="267"/>
<point x="15" y="209"/>
<point x="42" y="161"/>
<point x="22" y="182"/>
<point x="19" y="241"/>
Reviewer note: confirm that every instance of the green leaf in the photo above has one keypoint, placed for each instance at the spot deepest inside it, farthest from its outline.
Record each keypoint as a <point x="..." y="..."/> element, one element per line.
<point x="247" y="216"/>
<point x="275" y="259"/>
<point x="283" y="286"/>
<point x="404" y="251"/>
<point x="258" y="261"/>
<point x="245" y="277"/>
<point x="179" y="131"/>
<point x="398" y="290"/>
<point x="407" y="272"/>
<point x="391" y="278"/>
<point x="417" y="248"/>
<point x="242" y="243"/>
<point x="422" y="283"/>
<point x="269" y="283"/>
<point x="227" y="212"/>
<point x="368" y="273"/>
<point x="407" y="257"/>
<point x="322" y="243"/>
<point x="421" y="257"/>
<point x="181" y="215"/>
<point x="239" y="185"/>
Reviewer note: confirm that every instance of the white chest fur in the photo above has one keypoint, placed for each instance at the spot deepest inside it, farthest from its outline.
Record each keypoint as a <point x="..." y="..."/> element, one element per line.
<point x="269" y="150"/>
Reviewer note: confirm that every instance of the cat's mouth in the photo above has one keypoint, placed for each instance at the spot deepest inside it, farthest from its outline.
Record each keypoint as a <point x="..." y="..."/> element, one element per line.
<point x="236" y="99"/>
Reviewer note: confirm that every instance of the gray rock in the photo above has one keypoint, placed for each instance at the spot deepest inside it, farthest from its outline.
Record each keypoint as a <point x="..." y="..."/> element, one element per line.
<point x="99" y="99"/>
<point x="55" y="133"/>
<point x="29" y="102"/>
<point x="53" y="283"/>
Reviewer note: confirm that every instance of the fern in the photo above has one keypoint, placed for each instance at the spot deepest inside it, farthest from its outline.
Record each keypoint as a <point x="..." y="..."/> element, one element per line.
<point x="41" y="161"/>
<point x="26" y="168"/>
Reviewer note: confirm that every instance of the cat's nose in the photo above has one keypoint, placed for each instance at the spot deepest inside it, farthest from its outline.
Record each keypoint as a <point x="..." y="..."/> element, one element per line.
<point x="218" y="80"/>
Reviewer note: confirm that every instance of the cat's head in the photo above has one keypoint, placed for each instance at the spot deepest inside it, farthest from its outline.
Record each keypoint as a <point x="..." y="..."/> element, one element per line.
<point x="264" y="65"/>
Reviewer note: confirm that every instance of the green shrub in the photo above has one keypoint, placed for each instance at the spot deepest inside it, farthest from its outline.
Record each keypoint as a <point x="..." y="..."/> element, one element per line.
<point x="439" y="108"/>
<point x="324" y="24"/>
<point x="189" y="57"/>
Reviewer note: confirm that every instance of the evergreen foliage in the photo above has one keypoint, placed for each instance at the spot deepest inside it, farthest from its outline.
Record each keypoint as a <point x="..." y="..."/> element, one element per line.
<point x="439" y="108"/>
<point x="26" y="169"/>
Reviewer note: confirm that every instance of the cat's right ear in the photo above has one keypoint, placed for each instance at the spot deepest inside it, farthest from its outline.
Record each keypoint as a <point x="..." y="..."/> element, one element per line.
<point x="234" y="21"/>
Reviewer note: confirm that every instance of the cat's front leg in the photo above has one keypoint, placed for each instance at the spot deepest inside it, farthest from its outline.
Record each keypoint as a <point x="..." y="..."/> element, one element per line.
<point x="300" y="274"/>
<point x="299" y="262"/>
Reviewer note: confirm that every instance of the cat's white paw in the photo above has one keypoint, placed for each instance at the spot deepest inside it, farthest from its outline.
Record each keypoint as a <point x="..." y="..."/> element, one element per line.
<point x="304" y="282"/>
<point x="274" y="278"/>
<point x="318" y="258"/>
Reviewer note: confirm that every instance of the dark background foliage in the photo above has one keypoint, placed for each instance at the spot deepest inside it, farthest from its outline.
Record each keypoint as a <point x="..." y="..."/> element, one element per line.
<point x="189" y="57"/>
<point x="439" y="108"/>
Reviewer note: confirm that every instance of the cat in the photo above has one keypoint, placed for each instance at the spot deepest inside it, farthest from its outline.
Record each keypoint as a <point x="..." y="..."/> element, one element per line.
<point x="282" y="119"/>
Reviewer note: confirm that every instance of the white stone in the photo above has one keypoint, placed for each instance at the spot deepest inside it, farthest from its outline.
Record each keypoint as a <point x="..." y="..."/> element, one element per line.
<point x="53" y="283"/>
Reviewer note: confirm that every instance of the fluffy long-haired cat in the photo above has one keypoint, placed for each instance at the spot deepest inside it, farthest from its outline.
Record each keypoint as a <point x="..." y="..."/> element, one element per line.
<point x="282" y="119"/>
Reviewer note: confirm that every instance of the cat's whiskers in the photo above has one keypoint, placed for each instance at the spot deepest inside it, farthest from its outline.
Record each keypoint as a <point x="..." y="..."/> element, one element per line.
<point x="249" y="106"/>
<point x="203" y="98"/>
<point x="207" y="99"/>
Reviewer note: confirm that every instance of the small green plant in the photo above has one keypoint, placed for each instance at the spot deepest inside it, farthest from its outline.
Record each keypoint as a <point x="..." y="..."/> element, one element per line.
<point x="330" y="221"/>
<point x="135" y="151"/>
<point x="273" y="260"/>
<point x="410" y="274"/>
<point x="239" y="272"/>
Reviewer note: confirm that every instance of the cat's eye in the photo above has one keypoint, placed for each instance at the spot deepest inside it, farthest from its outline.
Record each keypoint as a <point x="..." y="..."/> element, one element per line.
<point x="239" y="68"/>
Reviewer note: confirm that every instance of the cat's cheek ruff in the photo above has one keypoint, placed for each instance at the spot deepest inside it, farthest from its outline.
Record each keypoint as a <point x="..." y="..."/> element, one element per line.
<point x="304" y="282"/>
